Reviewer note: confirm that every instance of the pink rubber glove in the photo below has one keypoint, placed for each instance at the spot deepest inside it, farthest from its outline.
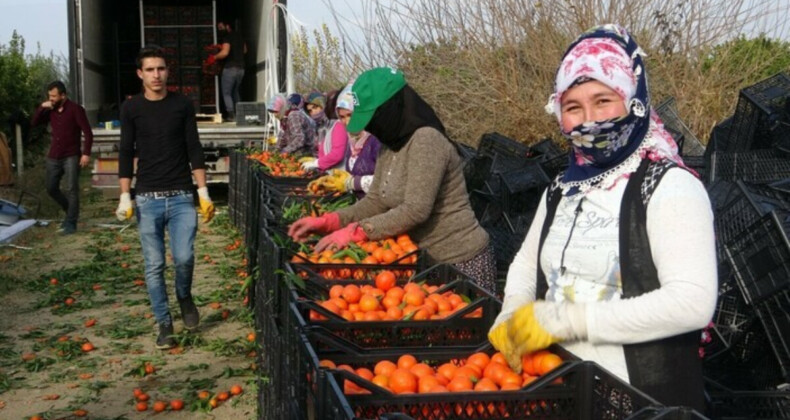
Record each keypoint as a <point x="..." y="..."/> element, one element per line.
<point x="340" y="238"/>
<point x="302" y="228"/>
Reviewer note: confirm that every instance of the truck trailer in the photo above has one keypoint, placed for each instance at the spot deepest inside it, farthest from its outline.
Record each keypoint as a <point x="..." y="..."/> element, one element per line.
<point x="105" y="36"/>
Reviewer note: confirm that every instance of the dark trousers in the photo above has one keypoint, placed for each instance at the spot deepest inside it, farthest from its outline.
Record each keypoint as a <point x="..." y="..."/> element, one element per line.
<point x="68" y="200"/>
<point x="231" y="86"/>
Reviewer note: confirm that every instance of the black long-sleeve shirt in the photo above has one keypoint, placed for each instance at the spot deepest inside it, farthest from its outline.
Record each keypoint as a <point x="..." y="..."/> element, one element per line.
<point x="66" y="125"/>
<point x="163" y="136"/>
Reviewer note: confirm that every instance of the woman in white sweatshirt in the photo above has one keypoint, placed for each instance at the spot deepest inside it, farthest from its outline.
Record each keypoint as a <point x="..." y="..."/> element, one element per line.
<point x="619" y="263"/>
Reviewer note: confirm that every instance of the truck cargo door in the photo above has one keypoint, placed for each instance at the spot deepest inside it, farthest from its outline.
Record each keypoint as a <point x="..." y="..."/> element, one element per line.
<point x="87" y="54"/>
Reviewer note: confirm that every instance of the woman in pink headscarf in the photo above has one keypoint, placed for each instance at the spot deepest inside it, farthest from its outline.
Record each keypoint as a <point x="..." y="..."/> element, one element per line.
<point x="619" y="263"/>
<point x="360" y="155"/>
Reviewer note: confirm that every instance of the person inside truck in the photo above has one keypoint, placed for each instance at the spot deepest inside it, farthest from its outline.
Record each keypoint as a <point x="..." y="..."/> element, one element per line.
<point x="232" y="57"/>
<point x="619" y="263"/>
<point x="159" y="128"/>
<point x="360" y="157"/>
<point x="65" y="158"/>
<point x="298" y="131"/>
<point x="418" y="187"/>
<point x="331" y="140"/>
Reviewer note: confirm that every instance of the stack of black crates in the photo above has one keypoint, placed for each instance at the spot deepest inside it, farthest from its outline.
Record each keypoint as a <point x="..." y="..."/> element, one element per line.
<point x="184" y="32"/>
<point x="747" y="351"/>
<point x="505" y="180"/>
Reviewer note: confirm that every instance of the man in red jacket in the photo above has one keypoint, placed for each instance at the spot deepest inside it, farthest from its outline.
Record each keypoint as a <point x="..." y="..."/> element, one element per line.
<point x="67" y="119"/>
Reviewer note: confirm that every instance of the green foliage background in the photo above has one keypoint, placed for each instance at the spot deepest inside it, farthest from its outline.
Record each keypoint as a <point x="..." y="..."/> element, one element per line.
<point x="23" y="81"/>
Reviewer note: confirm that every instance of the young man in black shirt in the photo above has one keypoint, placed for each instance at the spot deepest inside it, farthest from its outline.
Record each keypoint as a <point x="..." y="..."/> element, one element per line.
<point x="159" y="128"/>
<point x="232" y="54"/>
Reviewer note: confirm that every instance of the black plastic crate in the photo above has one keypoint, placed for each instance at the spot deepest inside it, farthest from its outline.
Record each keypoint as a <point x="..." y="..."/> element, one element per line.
<point x="190" y="76"/>
<point x="733" y="322"/>
<point x="205" y="38"/>
<point x="688" y="143"/>
<point x="190" y="56"/>
<point x="716" y="142"/>
<point x="251" y="113"/>
<point x="151" y="36"/>
<point x="311" y="387"/>
<point x="458" y="329"/>
<point x="188" y="15"/>
<point x="169" y="14"/>
<point x="507" y="234"/>
<point x="273" y="376"/>
<point x="666" y="413"/>
<point x="760" y="257"/>
<point x="738" y="205"/>
<point x="757" y="166"/>
<point x="497" y="145"/>
<point x="587" y="391"/>
<point x="252" y="219"/>
<point x="295" y="207"/>
<point x="168" y="38"/>
<point x="282" y="191"/>
<point x="760" y="108"/>
<point x="151" y="15"/>
<point x="725" y="403"/>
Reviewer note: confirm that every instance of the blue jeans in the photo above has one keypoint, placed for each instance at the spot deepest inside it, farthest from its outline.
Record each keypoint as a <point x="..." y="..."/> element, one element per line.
<point x="70" y="202"/>
<point x="231" y="86"/>
<point x="179" y="216"/>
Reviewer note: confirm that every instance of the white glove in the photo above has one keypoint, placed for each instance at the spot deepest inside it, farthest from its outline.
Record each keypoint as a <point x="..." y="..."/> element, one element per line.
<point x="564" y="320"/>
<point x="206" y="205"/>
<point x="125" y="209"/>
<point x="310" y="165"/>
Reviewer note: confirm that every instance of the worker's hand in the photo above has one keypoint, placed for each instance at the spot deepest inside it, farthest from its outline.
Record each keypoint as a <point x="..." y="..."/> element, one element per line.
<point x="211" y="59"/>
<point x="125" y="209"/>
<point x="309" y="165"/>
<point x="342" y="237"/>
<point x="540" y="324"/>
<point x="206" y="205"/>
<point x="316" y="184"/>
<point x="498" y="335"/>
<point x="499" y="338"/>
<point x="338" y="180"/>
<point x="46" y="104"/>
<point x="85" y="160"/>
<point x="302" y="228"/>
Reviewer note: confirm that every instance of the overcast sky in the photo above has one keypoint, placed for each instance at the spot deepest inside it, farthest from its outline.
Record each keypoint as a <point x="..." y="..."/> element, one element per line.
<point x="44" y="21"/>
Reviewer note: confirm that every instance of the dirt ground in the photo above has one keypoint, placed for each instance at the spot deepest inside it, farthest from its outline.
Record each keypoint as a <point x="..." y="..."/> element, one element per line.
<point x="54" y="288"/>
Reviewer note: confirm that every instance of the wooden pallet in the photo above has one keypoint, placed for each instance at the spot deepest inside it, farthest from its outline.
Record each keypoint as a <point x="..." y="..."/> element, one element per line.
<point x="212" y="118"/>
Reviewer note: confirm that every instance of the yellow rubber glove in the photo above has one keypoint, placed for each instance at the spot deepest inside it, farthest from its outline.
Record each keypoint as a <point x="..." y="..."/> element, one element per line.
<point x="337" y="180"/>
<point x="499" y="338"/>
<point x="206" y="205"/>
<point x="125" y="209"/>
<point x="540" y="324"/>
<point x="526" y="333"/>
<point x="318" y="183"/>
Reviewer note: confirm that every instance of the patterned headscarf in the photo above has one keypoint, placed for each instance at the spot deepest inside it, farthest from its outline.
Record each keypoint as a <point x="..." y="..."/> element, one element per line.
<point x="608" y="54"/>
<point x="345" y="99"/>
<point x="276" y="104"/>
<point x="295" y="101"/>
<point x="317" y="98"/>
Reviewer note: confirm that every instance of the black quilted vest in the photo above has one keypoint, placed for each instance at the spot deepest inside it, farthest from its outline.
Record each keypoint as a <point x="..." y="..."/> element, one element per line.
<point x="669" y="369"/>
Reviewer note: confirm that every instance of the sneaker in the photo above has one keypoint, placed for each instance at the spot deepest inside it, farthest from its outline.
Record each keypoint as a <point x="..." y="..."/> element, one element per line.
<point x="165" y="339"/>
<point x="67" y="228"/>
<point x="189" y="313"/>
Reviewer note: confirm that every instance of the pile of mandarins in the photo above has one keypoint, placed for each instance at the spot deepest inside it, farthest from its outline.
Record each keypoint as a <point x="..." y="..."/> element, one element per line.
<point x="478" y="372"/>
